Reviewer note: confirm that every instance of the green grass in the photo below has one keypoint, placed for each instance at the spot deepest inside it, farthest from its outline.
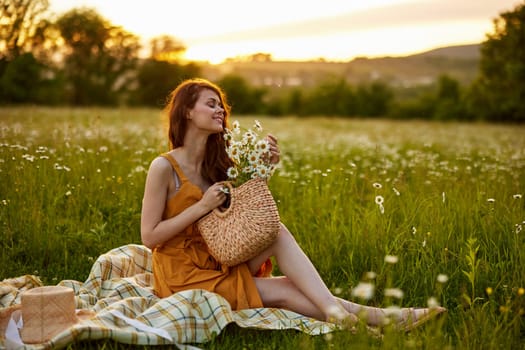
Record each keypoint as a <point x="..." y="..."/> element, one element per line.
<point x="72" y="183"/>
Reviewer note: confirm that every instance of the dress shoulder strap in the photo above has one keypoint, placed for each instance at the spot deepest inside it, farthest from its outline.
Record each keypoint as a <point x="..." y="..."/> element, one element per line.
<point x="175" y="166"/>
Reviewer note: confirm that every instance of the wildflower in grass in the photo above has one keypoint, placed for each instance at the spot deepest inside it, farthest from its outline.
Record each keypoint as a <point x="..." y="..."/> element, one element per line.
<point x="393" y="312"/>
<point x="491" y="200"/>
<point x="414" y="230"/>
<point x="432" y="302"/>
<point x="338" y="291"/>
<point x="396" y="191"/>
<point x="521" y="291"/>
<point x="28" y="157"/>
<point x="442" y="278"/>
<point x="443" y="197"/>
<point x="139" y="169"/>
<point x="489" y="291"/>
<point x="68" y="193"/>
<point x="328" y="337"/>
<point x="504" y="309"/>
<point x="364" y="290"/>
<point x="379" y="201"/>
<point x="370" y="275"/>
<point x="391" y="259"/>
<point x="517" y="196"/>
<point x="518" y="228"/>
<point x="394" y="293"/>
<point x="377" y="185"/>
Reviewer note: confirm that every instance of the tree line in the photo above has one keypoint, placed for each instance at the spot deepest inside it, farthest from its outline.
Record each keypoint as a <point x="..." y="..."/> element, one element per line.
<point x="81" y="59"/>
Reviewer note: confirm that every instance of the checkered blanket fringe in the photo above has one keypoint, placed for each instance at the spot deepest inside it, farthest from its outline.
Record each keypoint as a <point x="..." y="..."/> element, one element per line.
<point x="119" y="290"/>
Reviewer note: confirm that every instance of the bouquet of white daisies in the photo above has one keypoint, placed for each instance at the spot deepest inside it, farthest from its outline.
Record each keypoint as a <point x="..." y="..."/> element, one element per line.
<point x="249" y="221"/>
<point x="249" y="152"/>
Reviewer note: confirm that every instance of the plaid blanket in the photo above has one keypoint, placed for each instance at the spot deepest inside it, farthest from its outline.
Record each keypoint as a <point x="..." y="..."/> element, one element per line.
<point x="119" y="291"/>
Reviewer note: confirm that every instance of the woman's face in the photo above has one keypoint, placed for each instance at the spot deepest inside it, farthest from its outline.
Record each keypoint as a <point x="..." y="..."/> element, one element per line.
<point x="208" y="113"/>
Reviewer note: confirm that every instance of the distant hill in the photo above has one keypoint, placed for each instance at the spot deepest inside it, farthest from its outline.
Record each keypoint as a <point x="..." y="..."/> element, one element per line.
<point x="459" y="62"/>
<point x="460" y="51"/>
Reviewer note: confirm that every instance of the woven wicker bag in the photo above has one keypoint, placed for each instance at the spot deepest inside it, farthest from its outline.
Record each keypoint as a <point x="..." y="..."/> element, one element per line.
<point x="248" y="226"/>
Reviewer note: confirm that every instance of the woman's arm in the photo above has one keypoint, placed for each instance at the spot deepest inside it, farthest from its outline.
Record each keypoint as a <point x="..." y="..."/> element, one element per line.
<point x="153" y="229"/>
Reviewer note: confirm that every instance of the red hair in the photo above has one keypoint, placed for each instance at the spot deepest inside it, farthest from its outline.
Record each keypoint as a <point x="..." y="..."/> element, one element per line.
<point x="180" y="101"/>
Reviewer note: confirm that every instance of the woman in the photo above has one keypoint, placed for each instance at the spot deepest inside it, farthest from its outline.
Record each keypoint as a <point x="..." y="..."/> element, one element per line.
<point x="184" y="184"/>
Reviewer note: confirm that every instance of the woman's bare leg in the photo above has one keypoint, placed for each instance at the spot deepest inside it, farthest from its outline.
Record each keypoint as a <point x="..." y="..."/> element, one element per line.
<point x="280" y="292"/>
<point x="303" y="290"/>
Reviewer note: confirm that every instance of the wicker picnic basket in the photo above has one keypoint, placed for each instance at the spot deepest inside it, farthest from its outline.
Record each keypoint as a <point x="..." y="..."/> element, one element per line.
<point x="248" y="226"/>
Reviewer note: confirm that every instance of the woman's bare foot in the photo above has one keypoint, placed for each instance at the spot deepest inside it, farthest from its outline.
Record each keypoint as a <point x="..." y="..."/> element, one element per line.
<point x="414" y="317"/>
<point x="342" y="318"/>
<point x="404" y="318"/>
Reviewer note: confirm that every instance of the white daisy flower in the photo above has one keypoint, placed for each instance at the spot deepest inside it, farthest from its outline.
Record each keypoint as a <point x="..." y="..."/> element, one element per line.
<point x="394" y="293"/>
<point x="236" y="127"/>
<point x="257" y="126"/>
<point x="232" y="172"/>
<point x="442" y="278"/>
<point x="363" y="290"/>
<point x="432" y="302"/>
<point x="253" y="158"/>
<point x="262" y="146"/>
<point x="391" y="259"/>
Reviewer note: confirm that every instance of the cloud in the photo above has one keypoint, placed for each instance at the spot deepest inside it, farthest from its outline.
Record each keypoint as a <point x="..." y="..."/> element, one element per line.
<point x="391" y="16"/>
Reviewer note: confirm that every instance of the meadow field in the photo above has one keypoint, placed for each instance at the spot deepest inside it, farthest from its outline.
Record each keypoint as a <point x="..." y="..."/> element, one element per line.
<point x="444" y="200"/>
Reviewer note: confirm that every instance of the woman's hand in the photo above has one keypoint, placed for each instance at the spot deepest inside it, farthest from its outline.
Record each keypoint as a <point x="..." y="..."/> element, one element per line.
<point x="274" y="149"/>
<point x="214" y="196"/>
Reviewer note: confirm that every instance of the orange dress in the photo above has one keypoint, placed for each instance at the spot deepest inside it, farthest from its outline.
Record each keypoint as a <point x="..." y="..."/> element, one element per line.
<point x="184" y="261"/>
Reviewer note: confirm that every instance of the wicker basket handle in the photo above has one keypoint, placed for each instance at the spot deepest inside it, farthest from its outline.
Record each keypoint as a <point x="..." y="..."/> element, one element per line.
<point x="225" y="211"/>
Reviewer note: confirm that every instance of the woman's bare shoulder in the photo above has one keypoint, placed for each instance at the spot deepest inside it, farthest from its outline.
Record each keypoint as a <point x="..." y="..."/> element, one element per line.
<point x="160" y="166"/>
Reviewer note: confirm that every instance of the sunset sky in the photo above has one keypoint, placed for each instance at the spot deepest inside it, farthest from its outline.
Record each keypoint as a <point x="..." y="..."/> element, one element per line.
<point x="338" y="30"/>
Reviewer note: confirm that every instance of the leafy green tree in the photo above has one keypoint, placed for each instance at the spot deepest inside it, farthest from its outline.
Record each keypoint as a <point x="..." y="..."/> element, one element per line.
<point x="373" y="99"/>
<point x="443" y="102"/>
<point x="27" y="42"/>
<point x="20" y="80"/>
<point x="101" y="59"/>
<point x="499" y="92"/>
<point x="155" y="80"/>
<point x="243" y="98"/>
<point x="449" y="104"/>
<point x="166" y="48"/>
<point x="22" y="26"/>
<point x="294" y="102"/>
<point x="332" y="97"/>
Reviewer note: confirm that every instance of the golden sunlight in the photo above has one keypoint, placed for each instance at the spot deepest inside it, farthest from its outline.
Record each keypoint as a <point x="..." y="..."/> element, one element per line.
<point x="336" y="30"/>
